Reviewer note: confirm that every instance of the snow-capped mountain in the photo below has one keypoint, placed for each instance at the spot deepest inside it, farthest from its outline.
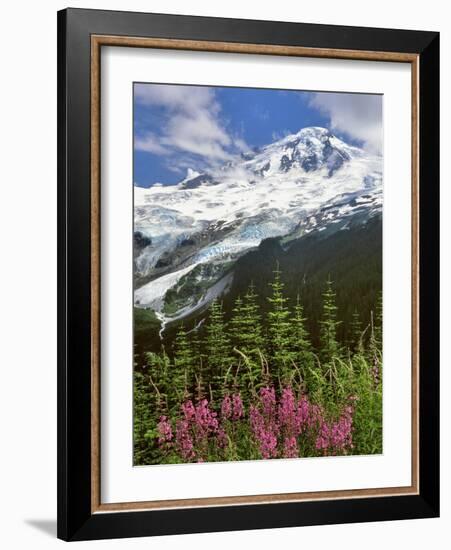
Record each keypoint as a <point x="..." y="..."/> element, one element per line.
<point x="188" y="236"/>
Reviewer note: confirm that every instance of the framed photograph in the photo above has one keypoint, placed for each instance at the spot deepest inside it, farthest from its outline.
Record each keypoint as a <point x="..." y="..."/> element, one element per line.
<point x="248" y="274"/>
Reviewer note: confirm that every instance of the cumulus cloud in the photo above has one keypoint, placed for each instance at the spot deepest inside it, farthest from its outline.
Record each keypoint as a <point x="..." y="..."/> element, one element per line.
<point x="150" y="143"/>
<point x="198" y="133"/>
<point x="174" y="97"/>
<point x="357" y="115"/>
<point x="192" y="123"/>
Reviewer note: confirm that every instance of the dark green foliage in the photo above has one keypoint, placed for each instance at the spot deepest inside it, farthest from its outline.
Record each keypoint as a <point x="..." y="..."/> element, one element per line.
<point x="301" y="346"/>
<point x="378" y="321"/>
<point x="280" y="330"/>
<point x="217" y="346"/>
<point x="184" y="362"/>
<point x="237" y="325"/>
<point x="199" y="371"/>
<point x="355" y="341"/>
<point x="155" y="393"/>
<point x="248" y="343"/>
<point x="352" y="258"/>
<point x="162" y="377"/>
<point x="142" y="418"/>
<point x="146" y="327"/>
<point x="245" y="324"/>
<point x="262" y="343"/>
<point x="367" y="387"/>
<point x="330" y="349"/>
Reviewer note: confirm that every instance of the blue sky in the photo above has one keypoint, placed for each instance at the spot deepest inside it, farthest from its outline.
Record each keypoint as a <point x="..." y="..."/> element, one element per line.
<point x="179" y="127"/>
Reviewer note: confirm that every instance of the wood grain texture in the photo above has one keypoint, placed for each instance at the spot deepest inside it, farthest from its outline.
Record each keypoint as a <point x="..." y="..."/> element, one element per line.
<point x="260" y="49"/>
<point x="255" y="499"/>
<point x="415" y="68"/>
<point x="97" y="41"/>
<point x="95" y="276"/>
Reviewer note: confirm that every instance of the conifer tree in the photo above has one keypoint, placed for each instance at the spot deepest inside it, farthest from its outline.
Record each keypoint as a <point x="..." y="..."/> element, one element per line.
<point x="245" y="325"/>
<point x="328" y="325"/>
<point x="217" y="346"/>
<point x="236" y="323"/>
<point x="279" y="328"/>
<point x="301" y="345"/>
<point x="355" y="333"/>
<point x="247" y="337"/>
<point x="160" y="372"/>
<point x="199" y="361"/>
<point x="142" y="416"/>
<point x="184" y="362"/>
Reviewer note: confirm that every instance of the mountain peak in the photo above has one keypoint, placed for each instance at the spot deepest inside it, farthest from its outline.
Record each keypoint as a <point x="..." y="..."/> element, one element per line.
<point x="190" y="174"/>
<point x="310" y="149"/>
<point x="306" y="132"/>
<point x="314" y="131"/>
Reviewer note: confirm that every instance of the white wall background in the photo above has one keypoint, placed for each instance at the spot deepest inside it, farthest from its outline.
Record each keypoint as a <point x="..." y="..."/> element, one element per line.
<point x="28" y="273"/>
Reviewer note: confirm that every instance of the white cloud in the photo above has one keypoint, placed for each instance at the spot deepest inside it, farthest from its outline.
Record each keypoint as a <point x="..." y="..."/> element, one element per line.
<point x="198" y="133"/>
<point x="192" y="123"/>
<point x="150" y="144"/>
<point x="357" y="115"/>
<point x="241" y="144"/>
<point x="175" y="97"/>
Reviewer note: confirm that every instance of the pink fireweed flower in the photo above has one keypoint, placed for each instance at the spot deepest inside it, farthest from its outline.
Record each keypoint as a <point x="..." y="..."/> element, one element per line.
<point x="164" y="430"/>
<point x="375" y="374"/>
<point x="290" y="448"/>
<point x="238" y="407"/>
<point x="277" y="425"/>
<point x="342" y="430"/>
<point x="184" y="440"/>
<point x="222" y="438"/>
<point x="188" y="410"/>
<point x="268" y="444"/>
<point x="268" y="400"/>
<point x="226" y="407"/>
<point x="336" y="437"/>
<point x="193" y="430"/>
<point x="263" y="423"/>
<point x="291" y="418"/>
<point x="303" y="412"/>
<point x="255" y="420"/>
<point x="287" y="405"/>
<point x="315" y="417"/>
<point x="205" y="419"/>
<point x="288" y="411"/>
<point x="323" y="439"/>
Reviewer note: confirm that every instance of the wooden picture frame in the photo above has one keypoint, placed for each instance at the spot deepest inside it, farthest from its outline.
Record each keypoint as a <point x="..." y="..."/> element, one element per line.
<point x="81" y="35"/>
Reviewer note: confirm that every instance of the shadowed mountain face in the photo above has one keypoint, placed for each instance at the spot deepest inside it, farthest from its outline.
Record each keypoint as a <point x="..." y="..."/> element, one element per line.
<point x="214" y="232"/>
